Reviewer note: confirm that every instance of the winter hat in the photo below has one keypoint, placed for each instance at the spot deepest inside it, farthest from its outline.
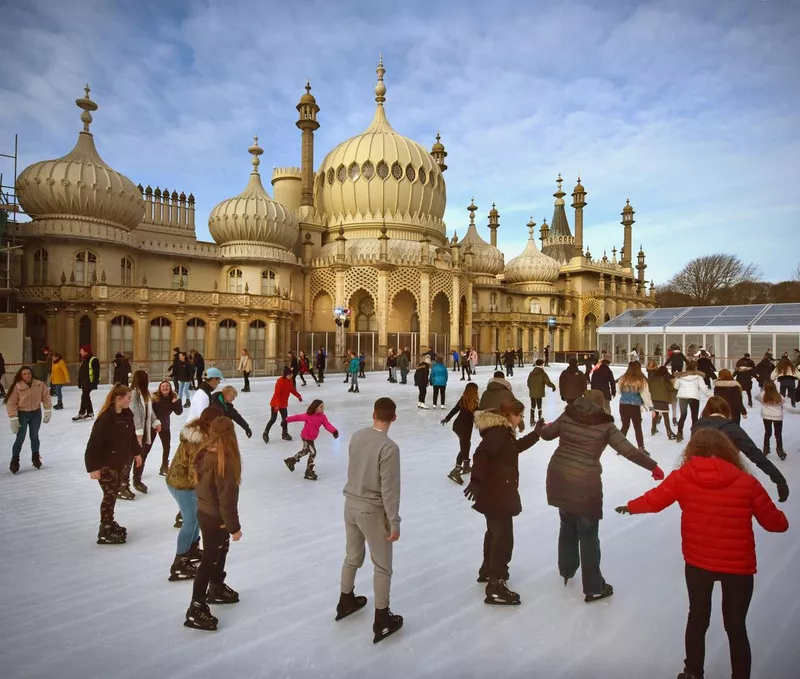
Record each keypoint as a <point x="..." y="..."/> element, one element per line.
<point x="213" y="373"/>
<point x="595" y="397"/>
<point x="499" y="373"/>
<point x="86" y="348"/>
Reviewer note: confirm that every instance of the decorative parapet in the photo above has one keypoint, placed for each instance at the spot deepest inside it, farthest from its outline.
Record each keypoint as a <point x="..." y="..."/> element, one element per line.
<point x="256" y="250"/>
<point x="517" y="317"/>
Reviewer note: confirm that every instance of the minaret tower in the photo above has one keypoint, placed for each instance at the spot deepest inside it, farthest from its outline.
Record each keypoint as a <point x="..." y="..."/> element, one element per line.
<point x="641" y="284"/>
<point x="627" y="225"/>
<point x="578" y="203"/>
<point x="307" y="122"/>
<point x="438" y="153"/>
<point x="494" y="224"/>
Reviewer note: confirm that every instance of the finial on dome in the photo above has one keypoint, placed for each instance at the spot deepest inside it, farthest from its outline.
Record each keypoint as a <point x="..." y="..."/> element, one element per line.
<point x="531" y="225"/>
<point x="380" y="88"/>
<point x="86" y="103"/>
<point x="256" y="151"/>
<point x="308" y="91"/>
<point x="559" y="181"/>
<point x="472" y="207"/>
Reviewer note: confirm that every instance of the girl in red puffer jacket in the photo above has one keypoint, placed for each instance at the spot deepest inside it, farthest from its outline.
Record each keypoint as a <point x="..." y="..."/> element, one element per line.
<point x="718" y="499"/>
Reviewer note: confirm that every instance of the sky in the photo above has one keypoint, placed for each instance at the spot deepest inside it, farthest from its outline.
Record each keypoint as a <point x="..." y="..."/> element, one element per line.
<point x="687" y="107"/>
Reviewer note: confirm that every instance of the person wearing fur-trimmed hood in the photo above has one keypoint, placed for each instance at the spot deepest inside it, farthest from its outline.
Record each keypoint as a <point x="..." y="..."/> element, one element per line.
<point x="498" y="389"/>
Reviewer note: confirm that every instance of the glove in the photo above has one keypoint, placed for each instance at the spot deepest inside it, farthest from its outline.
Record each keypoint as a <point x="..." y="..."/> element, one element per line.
<point x="783" y="492"/>
<point x="336" y="434"/>
<point x="443" y="422"/>
<point x="658" y="473"/>
<point x="553" y="388"/>
<point x="248" y="432"/>
<point x="623" y="510"/>
<point x="472" y="491"/>
<point x="14" y="425"/>
<point x="47" y="415"/>
<point x="537" y="429"/>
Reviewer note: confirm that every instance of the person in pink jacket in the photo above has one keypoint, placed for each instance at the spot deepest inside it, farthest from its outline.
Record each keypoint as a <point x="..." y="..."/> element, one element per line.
<point x="314" y="419"/>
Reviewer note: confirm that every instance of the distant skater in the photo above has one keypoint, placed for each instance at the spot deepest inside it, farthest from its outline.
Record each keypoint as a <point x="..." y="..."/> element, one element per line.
<point x="313" y="420"/>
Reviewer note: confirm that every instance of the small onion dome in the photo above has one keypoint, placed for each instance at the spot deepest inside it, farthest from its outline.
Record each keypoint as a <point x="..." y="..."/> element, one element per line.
<point x="627" y="207"/>
<point x="532" y="266"/>
<point x="252" y="215"/>
<point x="437" y="147"/>
<point x="81" y="184"/>
<point x="487" y="260"/>
<point x="308" y="98"/>
<point x="493" y="212"/>
<point x="579" y="187"/>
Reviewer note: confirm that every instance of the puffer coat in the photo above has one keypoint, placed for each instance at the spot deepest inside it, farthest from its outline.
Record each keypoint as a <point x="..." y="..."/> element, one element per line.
<point x="731" y="391"/>
<point x="497" y="390"/>
<point x="538" y="379"/>
<point x="573" y="475"/>
<point x="718" y="501"/>
<point x="495" y="465"/>
<point x="180" y="475"/>
<point x="571" y="383"/>
<point x="691" y="384"/>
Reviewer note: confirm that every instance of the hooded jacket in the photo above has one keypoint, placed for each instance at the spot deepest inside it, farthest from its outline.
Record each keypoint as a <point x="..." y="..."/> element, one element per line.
<point x="731" y="391"/>
<point x="122" y="370"/>
<point x="662" y="388"/>
<point x="763" y="371"/>
<point x="602" y="379"/>
<point x="113" y="442"/>
<point x="228" y="410"/>
<point x="465" y="418"/>
<point x="691" y="384"/>
<point x="421" y="375"/>
<point x="538" y="379"/>
<point x="772" y="411"/>
<point x="571" y="383"/>
<point x="60" y="373"/>
<point x="89" y="373"/>
<point x="676" y="361"/>
<point x="164" y="409"/>
<point x="180" y="475"/>
<point x="743" y="442"/>
<point x="199" y="402"/>
<point x="574" y="482"/>
<point x="439" y="375"/>
<point x="495" y="465"/>
<point x="217" y="496"/>
<point x="312" y="424"/>
<point x="744" y="372"/>
<point x="705" y="366"/>
<point x="497" y="390"/>
<point x="718" y="502"/>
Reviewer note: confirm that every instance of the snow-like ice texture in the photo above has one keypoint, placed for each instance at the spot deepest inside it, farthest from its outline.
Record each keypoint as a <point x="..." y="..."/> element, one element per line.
<point x="72" y="608"/>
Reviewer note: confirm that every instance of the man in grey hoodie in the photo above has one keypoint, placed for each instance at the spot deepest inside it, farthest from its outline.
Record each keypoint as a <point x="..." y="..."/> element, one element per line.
<point x="497" y="390"/>
<point x="372" y="515"/>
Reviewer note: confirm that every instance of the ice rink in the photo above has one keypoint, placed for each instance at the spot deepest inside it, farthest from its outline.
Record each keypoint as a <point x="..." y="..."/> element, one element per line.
<point x="72" y="608"/>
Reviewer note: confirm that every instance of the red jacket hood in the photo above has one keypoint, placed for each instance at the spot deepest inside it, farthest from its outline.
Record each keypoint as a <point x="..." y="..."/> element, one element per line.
<point x="711" y="472"/>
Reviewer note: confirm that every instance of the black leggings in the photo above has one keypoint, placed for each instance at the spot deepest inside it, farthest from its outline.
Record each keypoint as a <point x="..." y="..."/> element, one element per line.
<point x="632" y="414"/>
<point x="423" y="392"/>
<point x="498" y="546"/>
<point x="536" y="403"/>
<point x="692" y="404"/>
<point x="787" y="386"/>
<point x="216" y="542"/>
<point x="464" y="443"/>
<point x="768" y="427"/>
<point x="284" y="415"/>
<point x="436" y="392"/>
<point x="166" y="440"/>
<point x="737" y="590"/>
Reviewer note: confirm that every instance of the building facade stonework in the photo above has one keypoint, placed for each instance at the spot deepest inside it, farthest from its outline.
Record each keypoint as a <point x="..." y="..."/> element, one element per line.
<point x="118" y="266"/>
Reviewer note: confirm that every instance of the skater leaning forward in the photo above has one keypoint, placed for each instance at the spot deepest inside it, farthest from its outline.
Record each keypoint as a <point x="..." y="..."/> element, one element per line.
<point x="24" y="402"/>
<point x="494" y="488"/>
<point x="314" y="419"/>
<point x="218" y="471"/>
<point x="284" y="386"/>
<point x="372" y="515"/>
<point x="112" y="445"/>
<point x="465" y="412"/>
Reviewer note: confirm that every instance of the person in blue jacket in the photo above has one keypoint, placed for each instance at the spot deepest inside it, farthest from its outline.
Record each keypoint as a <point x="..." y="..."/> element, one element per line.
<point x="456" y="357"/>
<point x="439" y="381"/>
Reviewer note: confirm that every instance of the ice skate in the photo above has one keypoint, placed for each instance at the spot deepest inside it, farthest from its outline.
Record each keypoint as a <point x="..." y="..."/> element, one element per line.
<point x="125" y="493"/>
<point x="78" y="418"/>
<point x="349" y="604"/>
<point x="265" y="436"/>
<point x="679" y="437"/>
<point x="357" y="391"/>
<point x="195" y="553"/>
<point x="108" y="535"/>
<point x="654" y="428"/>
<point x="466" y="467"/>
<point x="178" y="520"/>
<point x="286" y="436"/>
<point x="120" y="529"/>
<point x="58" y="406"/>
<point x="781" y="454"/>
<point x="198" y="616"/>
<point x="687" y="674"/>
<point x="163" y="470"/>
<point x="606" y="592"/>
<point x="499" y="595"/>
<point x="386" y="623"/>
<point x="182" y="569"/>
<point x="188" y="404"/>
<point x="455" y="476"/>
<point x="14" y="466"/>
<point x="290" y="462"/>
<point x="310" y="474"/>
<point x="220" y="593"/>
<point x="423" y="406"/>
<point x="767" y="451"/>
<point x="350" y="390"/>
<point x="138" y="485"/>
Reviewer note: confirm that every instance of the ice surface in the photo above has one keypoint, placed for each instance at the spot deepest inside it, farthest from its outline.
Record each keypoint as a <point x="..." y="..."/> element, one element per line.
<point x="71" y="608"/>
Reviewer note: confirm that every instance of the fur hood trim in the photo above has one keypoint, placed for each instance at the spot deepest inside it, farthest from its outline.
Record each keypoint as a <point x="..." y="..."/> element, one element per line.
<point x="191" y="434"/>
<point x="728" y="383"/>
<point x="502" y="381"/>
<point x="689" y="373"/>
<point x="488" y="419"/>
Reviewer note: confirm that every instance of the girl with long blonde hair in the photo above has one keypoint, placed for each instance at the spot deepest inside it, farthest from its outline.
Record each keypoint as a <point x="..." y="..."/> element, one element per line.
<point x="772" y="404"/>
<point x="634" y="396"/>
<point x="465" y="411"/>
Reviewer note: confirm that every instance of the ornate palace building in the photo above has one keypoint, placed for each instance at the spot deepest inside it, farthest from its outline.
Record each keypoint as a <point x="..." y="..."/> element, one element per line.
<point x="117" y="265"/>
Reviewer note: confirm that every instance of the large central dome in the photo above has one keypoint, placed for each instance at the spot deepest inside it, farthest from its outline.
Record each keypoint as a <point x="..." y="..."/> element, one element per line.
<point x="380" y="175"/>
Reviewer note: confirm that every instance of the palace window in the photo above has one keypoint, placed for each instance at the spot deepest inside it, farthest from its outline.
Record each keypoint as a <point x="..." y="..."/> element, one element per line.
<point x="509" y="304"/>
<point x="121" y="336"/>
<point x="160" y="339"/>
<point x="85" y="268"/>
<point x="367" y="319"/>
<point x="235" y="281"/>
<point x="180" y="277"/>
<point x="226" y="345"/>
<point x="493" y="301"/>
<point x="257" y="340"/>
<point x="535" y="306"/>
<point x="196" y="335"/>
<point x="268" y="279"/>
<point x="126" y="271"/>
<point x="40" y="267"/>
<point x="84" y="330"/>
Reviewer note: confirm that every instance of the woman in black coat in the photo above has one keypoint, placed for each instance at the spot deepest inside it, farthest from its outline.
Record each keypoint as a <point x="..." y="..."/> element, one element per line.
<point x="575" y="487"/>
<point x="743" y="374"/>
<point x="602" y="380"/>
<point x="494" y="490"/>
<point x="763" y="371"/>
<point x="465" y="420"/>
<point x="571" y="382"/>
<point x="706" y="366"/>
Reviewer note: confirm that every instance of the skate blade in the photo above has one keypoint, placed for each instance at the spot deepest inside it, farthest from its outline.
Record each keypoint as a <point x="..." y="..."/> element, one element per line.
<point x="175" y="577"/>
<point x="358" y="607"/>
<point x="456" y="480"/>
<point x="101" y="541"/>
<point x="502" y="602"/>
<point x="193" y="625"/>
<point x="221" y="602"/>
<point x="386" y="633"/>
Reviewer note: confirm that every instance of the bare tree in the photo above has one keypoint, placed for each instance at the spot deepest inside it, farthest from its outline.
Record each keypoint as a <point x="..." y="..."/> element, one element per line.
<point x="796" y="276"/>
<point x="708" y="279"/>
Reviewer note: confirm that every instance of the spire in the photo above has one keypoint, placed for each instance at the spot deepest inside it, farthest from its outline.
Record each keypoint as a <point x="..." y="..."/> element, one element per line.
<point x="494" y="224"/>
<point x="531" y="225"/>
<point x="562" y="243"/>
<point x="255" y="150"/>
<point x="380" y="88"/>
<point x="472" y="207"/>
<point x="438" y="152"/>
<point x="86" y="103"/>
<point x="559" y="195"/>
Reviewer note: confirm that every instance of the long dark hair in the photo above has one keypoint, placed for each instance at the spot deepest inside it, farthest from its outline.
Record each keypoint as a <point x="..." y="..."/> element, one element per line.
<point x="770" y="394"/>
<point x="140" y="382"/>
<point x="716" y="405"/>
<point x="223" y="436"/>
<point x="18" y="378"/>
<point x="312" y="408"/>
<point x="158" y="396"/>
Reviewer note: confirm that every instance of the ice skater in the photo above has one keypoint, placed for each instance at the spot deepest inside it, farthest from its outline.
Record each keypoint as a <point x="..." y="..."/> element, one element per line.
<point x="24" y="401"/>
<point x="165" y="404"/>
<point x="662" y="392"/>
<point x="464" y="409"/>
<point x="353" y="370"/>
<point x="284" y="386"/>
<point x="538" y="379"/>
<point x="306" y="369"/>
<point x="372" y="515"/>
<point x="716" y="494"/>
<point x="421" y="378"/>
<point x="438" y="379"/>
<point x="59" y="378"/>
<point x="218" y="470"/>
<point x="147" y="425"/>
<point x="112" y="445"/>
<point x="223" y="401"/>
<point x="88" y="379"/>
<point x="314" y="419"/>
<point x="634" y="397"/>
<point x="772" y="404"/>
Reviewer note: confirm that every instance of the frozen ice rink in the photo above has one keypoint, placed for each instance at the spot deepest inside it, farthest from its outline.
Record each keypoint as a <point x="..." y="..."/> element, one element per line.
<point x="72" y="608"/>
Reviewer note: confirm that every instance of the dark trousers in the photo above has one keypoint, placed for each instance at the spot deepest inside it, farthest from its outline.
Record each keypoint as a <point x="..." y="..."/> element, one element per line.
<point x="274" y="417"/>
<point x="632" y="414"/>
<point x="403" y="375"/>
<point x="166" y="440"/>
<point x="509" y="370"/>
<point x="692" y="404"/>
<point x="749" y="392"/>
<point x="321" y="370"/>
<point x="455" y="366"/>
<point x="536" y="403"/>
<point x="216" y="542"/>
<point x="246" y="380"/>
<point x="787" y="388"/>
<point x="137" y="471"/>
<point x="579" y="546"/>
<point x="464" y="444"/>
<point x="498" y="545"/>
<point x="737" y="590"/>
<point x="777" y="425"/>
<point x="110" y="482"/>
<point x="547" y="359"/>
<point x="423" y="392"/>
<point x="436" y="392"/>
<point x="86" y="402"/>
<point x="465" y="371"/>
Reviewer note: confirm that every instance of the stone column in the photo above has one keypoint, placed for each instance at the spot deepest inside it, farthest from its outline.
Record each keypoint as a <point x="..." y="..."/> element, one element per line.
<point x="242" y="330"/>
<point x="101" y="350"/>
<point x="382" y="310"/>
<point x="272" y="337"/>
<point x="212" y="336"/>
<point x="424" y="311"/>
<point x="52" y="317"/>
<point x="307" y="302"/>
<point x="140" y="351"/>
<point x="455" y="321"/>
<point x="71" y="338"/>
<point x="340" y="301"/>
<point x="468" y="319"/>
<point x="180" y="330"/>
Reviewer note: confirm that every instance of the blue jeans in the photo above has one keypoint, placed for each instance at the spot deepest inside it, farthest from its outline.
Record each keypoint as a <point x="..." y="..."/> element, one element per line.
<point x="183" y="391"/>
<point x="354" y="380"/>
<point x="190" y="530"/>
<point x="579" y="545"/>
<point x="27" y="419"/>
<point x="58" y="388"/>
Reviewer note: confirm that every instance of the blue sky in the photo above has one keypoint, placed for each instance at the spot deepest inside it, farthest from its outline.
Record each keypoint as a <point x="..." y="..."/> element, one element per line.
<point x="689" y="108"/>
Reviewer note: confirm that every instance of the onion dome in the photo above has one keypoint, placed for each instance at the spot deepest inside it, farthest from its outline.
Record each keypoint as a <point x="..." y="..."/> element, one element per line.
<point x="487" y="260"/>
<point x="308" y="98"/>
<point x="381" y="175"/>
<point x="80" y="184"/>
<point x="252" y="216"/>
<point x="532" y="266"/>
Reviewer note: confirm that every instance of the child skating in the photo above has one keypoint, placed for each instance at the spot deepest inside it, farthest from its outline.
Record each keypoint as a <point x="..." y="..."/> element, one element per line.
<point x="314" y="419"/>
<point x="772" y="415"/>
<point x="465" y="411"/>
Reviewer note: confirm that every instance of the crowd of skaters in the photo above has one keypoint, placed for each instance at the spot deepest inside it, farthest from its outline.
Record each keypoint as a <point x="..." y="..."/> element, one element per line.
<point x="205" y="472"/>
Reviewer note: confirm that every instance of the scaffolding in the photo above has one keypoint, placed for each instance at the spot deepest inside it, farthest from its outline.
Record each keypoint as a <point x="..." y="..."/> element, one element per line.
<point x="9" y="209"/>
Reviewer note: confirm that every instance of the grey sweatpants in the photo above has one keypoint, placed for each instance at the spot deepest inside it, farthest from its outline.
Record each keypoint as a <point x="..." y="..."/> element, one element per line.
<point x="372" y="527"/>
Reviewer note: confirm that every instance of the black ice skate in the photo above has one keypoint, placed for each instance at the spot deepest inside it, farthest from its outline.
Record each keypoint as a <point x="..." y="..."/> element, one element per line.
<point x="198" y="616"/>
<point x="455" y="476"/>
<point x="138" y="485"/>
<point x="265" y="436"/>
<point x="182" y="568"/>
<point x="290" y="462"/>
<point x="14" y="466"/>
<point x="37" y="460"/>
<point x="606" y="592"/>
<point x="195" y="553"/>
<point x="483" y="577"/>
<point x="688" y="674"/>
<point x="120" y="529"/>
<point x="386" y="623"/>
<point x="781" y="454"/>
<point x="499" y="595"/>
<point x="349" y="604"/>
<point x="125" y="493"/>
<point x="679" y="437"/>
<point x="286" y="436"/>
<point x="178" y="520"/>
<point x="220" y="593"/>
<point x="466" y="467"/>
<point x="310" y="474"/>
<point x="108" y="535"/>
<point x="163" y="470"/>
